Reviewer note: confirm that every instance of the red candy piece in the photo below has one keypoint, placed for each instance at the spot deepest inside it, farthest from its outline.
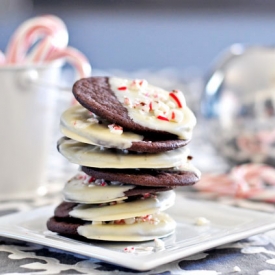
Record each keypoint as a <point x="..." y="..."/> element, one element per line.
<point x="117" y="127"/>
<point x="92" y="179"/>
<point x="174" y="96"/>
<point x="163" y="118"/>
<point x="150" y="106"/>
<point x="173" y="115"/>
<point x="122" y="88"/>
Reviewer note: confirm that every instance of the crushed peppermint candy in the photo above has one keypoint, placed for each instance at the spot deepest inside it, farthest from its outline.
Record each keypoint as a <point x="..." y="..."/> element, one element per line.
<point x="88" y="179"/>
<point x="91" y="181"/>
<point x="176" y="116"/>
<point x="128" y="102"/>
<point x="162" y="118"/>
<point x="137" y="84"/>
<point x="81" y="124"/>
<point x="93" y="120"/>
<point x="100" y="182"/>
<point x="90" y="119"/>
<point x="152" y="101"/>
<point x="129" y="249"/>
<point x="147" y="218"/>
<point x="115" y="129"/>
<point x="138" y="249"/>
<point x="148" y="196"/>
<point x="122" y="88"/>
<point x="178" y="97"/>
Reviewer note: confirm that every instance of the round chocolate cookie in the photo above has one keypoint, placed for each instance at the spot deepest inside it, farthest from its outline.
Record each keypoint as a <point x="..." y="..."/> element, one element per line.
<point x="117" y="210"/>
<point x="64" y="208"/>
<point x="75" y="124"/>
<point x="137" y="232"/>
<point x="64" y="226"/>
<point x="101" y="157"/>
<point x="145" y="177"/>
<point x="96" y="95"/>
<point x="157" y="146"/>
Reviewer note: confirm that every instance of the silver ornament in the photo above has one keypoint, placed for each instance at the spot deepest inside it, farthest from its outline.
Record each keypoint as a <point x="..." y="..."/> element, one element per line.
<point x="238" y="104"/>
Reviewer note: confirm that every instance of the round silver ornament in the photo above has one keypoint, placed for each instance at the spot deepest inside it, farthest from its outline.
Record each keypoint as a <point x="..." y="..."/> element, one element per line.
<point x="238" y="104"/>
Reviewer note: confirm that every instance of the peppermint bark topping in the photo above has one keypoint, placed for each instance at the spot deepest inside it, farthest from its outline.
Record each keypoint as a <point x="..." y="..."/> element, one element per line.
<point x="115" y="129"/>
<point x="152" y="101"/>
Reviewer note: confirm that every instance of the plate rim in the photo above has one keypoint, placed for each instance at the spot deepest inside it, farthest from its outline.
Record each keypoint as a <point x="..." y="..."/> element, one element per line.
<point x="9" y="228"/>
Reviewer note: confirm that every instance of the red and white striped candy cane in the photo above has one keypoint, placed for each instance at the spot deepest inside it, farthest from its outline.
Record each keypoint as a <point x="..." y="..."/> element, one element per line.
<point x="42" y="51"/>
<point x="75" y="58"/>
<point x="221" y="184"/>
<point x="250" y="181"/>
<point x="255" y="175"/>
<point x="261" y="180"/>
<point x="28" y="33"/>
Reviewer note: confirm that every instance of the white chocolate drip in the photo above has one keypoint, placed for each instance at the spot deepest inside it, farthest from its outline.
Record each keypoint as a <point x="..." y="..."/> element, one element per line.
<point x="95" y="156"/>
<point x="147" y="105"/>
<point x="79" y="124"/>
<point x="135" y="232"/>
<point x="141" y="207"/>
<point x="76" y="190"/>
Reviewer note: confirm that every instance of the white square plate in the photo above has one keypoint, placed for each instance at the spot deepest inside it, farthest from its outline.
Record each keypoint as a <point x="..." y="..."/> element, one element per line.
<point x="227" y="224"/>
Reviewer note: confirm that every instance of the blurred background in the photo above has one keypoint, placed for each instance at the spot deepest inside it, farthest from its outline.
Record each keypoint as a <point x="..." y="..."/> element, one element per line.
<point x="183" y="44"/>
<point x="131" y="35"/>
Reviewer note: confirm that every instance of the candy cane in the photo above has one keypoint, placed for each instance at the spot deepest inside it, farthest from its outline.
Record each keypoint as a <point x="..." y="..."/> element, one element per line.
<point x="251" y="181"/>
<point x="75" y="58"/>
<point x="254" y="174"/>
<point x="42" y="51"/>
<point x="221" y="184"/>
<point x="31" y="31"/>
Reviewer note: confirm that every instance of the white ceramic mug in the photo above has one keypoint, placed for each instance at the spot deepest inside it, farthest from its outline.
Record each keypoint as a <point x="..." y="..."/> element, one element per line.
<point x="27" y="104"/>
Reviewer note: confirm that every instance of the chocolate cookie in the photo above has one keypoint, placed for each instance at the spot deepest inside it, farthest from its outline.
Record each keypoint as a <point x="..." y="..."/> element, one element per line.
<point x="64" y="208"/>
<point x="137" y="232"/>
<point x="64" y="226"/>
<point x="117" y="210"/>
<point x="95" y="156"/>
<point x="95" y="94"/>
<point x="129" y="142"/>
<point x="157" y="146"/>
<point x="79" y="124"/>
<point x="145" y="177"/>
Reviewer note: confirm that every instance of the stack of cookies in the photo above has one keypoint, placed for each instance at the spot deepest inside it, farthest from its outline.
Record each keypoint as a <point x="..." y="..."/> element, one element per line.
<point x="129" y="139"/>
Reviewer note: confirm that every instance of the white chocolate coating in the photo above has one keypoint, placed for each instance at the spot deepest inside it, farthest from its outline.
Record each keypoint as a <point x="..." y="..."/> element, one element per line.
<point x="136" y="232"/>
<point x="188" y="166"/>
<point x="76" y="190"/>
<point x="163" y="105"/>
<point x="78" y="124"/>
<point x="95" y="156"/>
<point x="141" y="207"/>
